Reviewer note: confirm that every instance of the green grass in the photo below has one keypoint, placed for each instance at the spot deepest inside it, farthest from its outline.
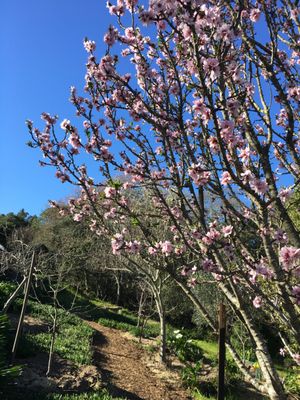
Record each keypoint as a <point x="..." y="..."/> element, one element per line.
<point x="210" y="349"/>
<point x="73" y="339"/>
<point x="102" y="395"/>
<point x="14" y="394"/>
<point x="199" y="396"/>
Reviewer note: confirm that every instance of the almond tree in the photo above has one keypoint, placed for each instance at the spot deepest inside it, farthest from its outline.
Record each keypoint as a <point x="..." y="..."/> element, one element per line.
<point x="209" y="108"/>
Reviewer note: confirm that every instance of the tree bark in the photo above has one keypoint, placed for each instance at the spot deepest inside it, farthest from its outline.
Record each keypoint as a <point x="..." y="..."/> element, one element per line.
<point x="162" y="320"/>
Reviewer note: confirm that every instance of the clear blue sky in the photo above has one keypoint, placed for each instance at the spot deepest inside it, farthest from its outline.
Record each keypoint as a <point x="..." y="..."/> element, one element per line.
<point x="41" y="55"/>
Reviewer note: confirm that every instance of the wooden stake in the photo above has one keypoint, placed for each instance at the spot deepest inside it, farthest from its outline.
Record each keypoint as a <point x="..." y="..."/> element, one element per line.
<point x="14" y="295"/>
<point x="222" y="352"/>
<point x="21" y="319"/>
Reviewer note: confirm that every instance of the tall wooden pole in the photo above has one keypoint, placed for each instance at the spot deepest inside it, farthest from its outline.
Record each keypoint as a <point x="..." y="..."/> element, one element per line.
<point x="21" y="319"/>
<point x="222" y="352"/>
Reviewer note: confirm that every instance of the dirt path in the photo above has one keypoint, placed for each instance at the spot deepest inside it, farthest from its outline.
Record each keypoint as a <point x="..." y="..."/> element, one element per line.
<point x="125" y="371"/>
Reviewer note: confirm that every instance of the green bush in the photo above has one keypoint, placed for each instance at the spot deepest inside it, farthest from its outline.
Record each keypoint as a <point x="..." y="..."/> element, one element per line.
<point x="190" y="375"/>
<point x="6" y="289"/>
<point x="7" y="373"/>
<point x="148" y="332"/>
<point x="73" y="338"/>
<point x="15" y="394"/>
<point x="184" y="347"/>
<point x="292" y="381"/>
<point x="102" y="395"/>
<point x="232" y="373"/>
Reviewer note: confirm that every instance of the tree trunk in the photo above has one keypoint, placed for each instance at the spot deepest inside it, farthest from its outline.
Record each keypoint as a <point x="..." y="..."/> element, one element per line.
<point x="273" y="384"/>
<point x="118" y="294"/>
<point x="163" y="331"/>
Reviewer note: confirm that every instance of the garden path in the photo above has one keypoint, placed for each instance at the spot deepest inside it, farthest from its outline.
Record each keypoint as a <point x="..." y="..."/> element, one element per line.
<point x="126" y="370"/>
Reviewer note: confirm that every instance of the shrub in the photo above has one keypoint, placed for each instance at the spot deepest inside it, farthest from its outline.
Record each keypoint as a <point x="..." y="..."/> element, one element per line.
<point x="190" y="375"/>
<point x="6" y="289"/>
<point x="73" y="339"/>
<point x="7" y="373"/>
<point x="292" y="382"/>
<point x="184" y="347"/>
<point x="102" y="395"/>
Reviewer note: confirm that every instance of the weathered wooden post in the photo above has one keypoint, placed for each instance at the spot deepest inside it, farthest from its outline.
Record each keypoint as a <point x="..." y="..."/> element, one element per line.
<point x="14" y="295"/>
<point x="222" y="352"/>
<point x="21" y="319"/>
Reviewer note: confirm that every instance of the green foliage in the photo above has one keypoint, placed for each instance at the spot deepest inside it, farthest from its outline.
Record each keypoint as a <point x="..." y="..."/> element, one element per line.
<point x="6" y="289"/>
<point x="232" y="374"/>
<point x="73" y="339"/>
<point x="293" y="207"/>
<point x="29" y="395"/>
<point x="148" y="332"/>
<point x="210" y="349"/>
<point x="190" y="375"/>
<point x="292" y="381"/>
<point x="101" y="395"/>
<point x="11" y="221"/>
<point x="7" y="373"/>
<point x="184" y="347"/>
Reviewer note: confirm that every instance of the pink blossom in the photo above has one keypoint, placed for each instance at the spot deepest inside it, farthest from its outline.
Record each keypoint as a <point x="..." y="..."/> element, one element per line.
<point x="227" y="230"/>
<point x="211" y="236"/>
<point x="246" y="175"/>
<point x="284" y="194"/>
<point x="259" y="186"/>
<point x="208" y="265"/>
<point x="213" y="144"/>
<point x="65" y="124"/>
<point x="109" y="192"/>
<point x="295" y="13"/>
<point x="166" y="247"/>
<point x="74" y="140"/>
<point x="89" y="45"/>
<point x="226" y="178"/>
<point x="78" y="217"/>
<point x="111" y="214"/>
<point x="280" y="236"/>
<point x="255" y="14"/>
<point x="257" y="302"/>
<point x="289" y="256"/>
<point x="211" y="67"/>
<point x="245" y="154"/>
<point x="296" y="358"/>
<point x="152" y="250"/>
<point x="62" y="176"/>
<point x="192" y="282"/>
<point x="185" y="271"/>
<point x="133" y="247"/>
<point x="117" y="243"/>
<point x="296" y="293"/>
<point x="294" y="93"/>
<point x="198" y="175"/>
<point x="111" y="36"/>
<point x="282" y="351"/>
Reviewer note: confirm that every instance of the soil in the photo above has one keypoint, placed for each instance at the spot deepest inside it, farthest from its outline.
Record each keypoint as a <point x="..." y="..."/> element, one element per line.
<point x="128" y="370"/>
<point x="121" y="364"/>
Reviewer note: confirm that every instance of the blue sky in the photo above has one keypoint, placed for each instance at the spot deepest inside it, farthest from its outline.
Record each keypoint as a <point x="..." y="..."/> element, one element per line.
<point x="41" y="56"/>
